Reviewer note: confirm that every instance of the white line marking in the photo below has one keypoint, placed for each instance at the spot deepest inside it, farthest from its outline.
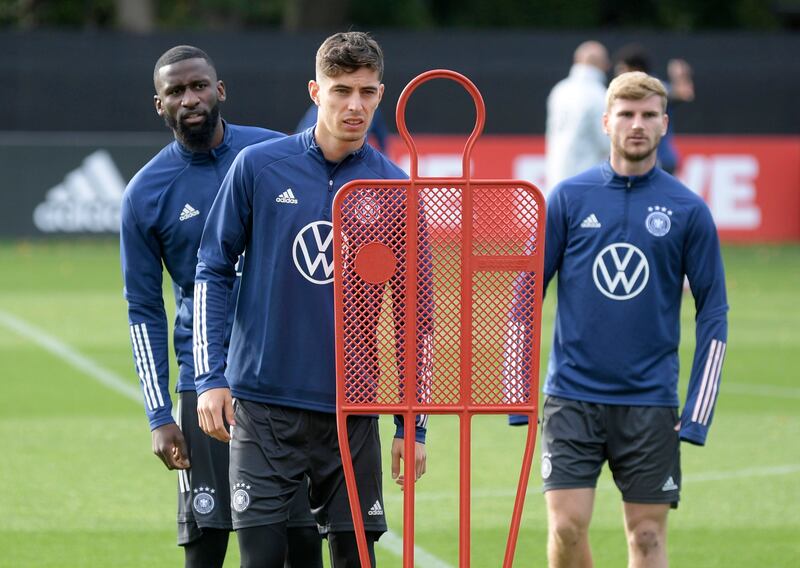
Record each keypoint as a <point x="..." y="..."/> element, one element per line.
<point x="390" y="541"/>
<point x="771" y="471"/>
<point x="394" y="544"/>
<point x="760" y="390"/>
<point x="81" y="362"/>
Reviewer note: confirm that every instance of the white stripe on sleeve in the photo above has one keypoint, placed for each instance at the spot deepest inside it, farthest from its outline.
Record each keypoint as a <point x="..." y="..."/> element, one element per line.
<point x="713" y="399"/>
<point x="514" y="379"/>
<point x="704" y="385"/>
<point x="153" y="373"/>
<point x="196" y="330"/>
<point x="199" y="333"/>
<point x="141" y="370"/>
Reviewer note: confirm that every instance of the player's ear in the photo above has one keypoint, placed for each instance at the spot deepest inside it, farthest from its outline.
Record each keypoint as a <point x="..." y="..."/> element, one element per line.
<point x="605" y="122"/>
<point x="380" y="92"/>
<point x="665" y="125"/>
<point x="159" y="106"/>
<point x="221" y="91"/>
<point x="313" y="91"/>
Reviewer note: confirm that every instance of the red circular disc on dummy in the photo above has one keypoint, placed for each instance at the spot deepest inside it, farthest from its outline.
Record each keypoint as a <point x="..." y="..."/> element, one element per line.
<point x="375" y="263"/>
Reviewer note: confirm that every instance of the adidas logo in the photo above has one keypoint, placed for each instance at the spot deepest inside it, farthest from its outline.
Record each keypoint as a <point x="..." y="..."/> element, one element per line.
<point x="591" y="222"/>
<point x="188" y="212"/>
<point x="288" y="197"/>
<point x="376" y="509"/>
<point x="87" y="201"/>
<point x="669" y="485"/>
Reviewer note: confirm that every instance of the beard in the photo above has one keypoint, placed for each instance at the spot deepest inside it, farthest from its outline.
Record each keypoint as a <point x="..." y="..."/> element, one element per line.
<point x="637" y="155"/>
<point x="196" y="138"/>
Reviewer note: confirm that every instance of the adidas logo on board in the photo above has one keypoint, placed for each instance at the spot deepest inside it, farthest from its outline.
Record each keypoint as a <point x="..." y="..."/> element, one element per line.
<point x="86" y="201"/>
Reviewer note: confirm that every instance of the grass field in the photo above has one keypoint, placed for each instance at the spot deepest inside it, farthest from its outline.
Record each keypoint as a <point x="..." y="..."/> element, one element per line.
<point x="80" y="487"/>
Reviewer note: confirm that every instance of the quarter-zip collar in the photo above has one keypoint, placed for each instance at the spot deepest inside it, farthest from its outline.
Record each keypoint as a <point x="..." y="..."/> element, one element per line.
<point x="310" y="143"/>
<point x="615" y="181"/>
<point x="211" y="155"/>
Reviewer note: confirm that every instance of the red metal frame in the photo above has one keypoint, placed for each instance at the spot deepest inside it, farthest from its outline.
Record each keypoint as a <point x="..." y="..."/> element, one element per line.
<point x="487" y="227"/>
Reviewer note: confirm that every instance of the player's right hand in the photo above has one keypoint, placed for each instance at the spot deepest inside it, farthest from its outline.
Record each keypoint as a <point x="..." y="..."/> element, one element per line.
<point x="170" y="447"/>
<point x="214" y="411"/>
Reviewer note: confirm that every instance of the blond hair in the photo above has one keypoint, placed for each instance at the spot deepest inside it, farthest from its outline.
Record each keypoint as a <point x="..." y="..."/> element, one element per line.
<point x="635" y="86"/>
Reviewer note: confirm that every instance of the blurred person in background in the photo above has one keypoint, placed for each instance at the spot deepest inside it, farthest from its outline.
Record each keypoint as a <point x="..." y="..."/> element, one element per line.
<point x="163" y="212"/>
<point x="679" y="86"/>
<point x="622" y="236"/>
<point x="574" y="137"/>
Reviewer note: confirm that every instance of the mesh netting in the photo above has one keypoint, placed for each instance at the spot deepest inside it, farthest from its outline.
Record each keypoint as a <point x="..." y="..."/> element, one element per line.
<point x="495" y="332"/>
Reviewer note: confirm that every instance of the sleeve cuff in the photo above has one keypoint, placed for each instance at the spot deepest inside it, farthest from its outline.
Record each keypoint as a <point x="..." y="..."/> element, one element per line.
<point x="693" y="433"/>
<point x="517" y="420"/>
<point x="212" y="384"/>
<point x="160" y="420"/>
<point x="419" y="434"/>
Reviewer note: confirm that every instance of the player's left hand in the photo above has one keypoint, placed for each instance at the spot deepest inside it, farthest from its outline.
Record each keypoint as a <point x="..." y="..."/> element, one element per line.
<point x="420" y="460"/>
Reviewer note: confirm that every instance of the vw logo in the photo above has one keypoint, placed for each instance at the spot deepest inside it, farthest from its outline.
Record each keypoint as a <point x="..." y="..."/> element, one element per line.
<point x="313" y="252"/>
<point x="620" y="271"/>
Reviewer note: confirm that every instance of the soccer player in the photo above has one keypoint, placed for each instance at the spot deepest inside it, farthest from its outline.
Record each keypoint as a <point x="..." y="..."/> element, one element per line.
<point x="275" y="203"/>
<point x="679" y="87"/>
<point x="163" y="211"/>
<point x="622" y="236"/>
<point x="378" y="133"/>
<point x="574" y="136"/>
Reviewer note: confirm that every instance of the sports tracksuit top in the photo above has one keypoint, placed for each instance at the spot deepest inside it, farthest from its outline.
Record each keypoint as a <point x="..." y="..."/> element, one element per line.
<point x="621" y="247"/>
<point x="163" y="212"/>
<point x="274" y="207"/>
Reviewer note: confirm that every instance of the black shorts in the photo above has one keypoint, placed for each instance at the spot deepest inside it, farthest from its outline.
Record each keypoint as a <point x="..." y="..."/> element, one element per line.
<point x="274" y="447"/>
<point x="203" y="496"/>
<point x="203" y="490"/>
<point x="639" y="442"/>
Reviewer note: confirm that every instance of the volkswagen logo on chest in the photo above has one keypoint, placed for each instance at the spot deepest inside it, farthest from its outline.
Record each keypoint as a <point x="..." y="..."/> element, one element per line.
<point x="620" y="271"/>
<point x="312" y="252"/>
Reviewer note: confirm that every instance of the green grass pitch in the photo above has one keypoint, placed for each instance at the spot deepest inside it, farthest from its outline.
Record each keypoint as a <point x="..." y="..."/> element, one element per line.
<point x="80" y="487"/>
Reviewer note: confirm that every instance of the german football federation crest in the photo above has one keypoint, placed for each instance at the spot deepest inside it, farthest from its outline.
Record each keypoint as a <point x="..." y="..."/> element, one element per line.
<point x="240" y="499"/>
<point x="368" y="210"/>
<point x="658" y="221"/>
<point x="547" y="466"/>
<point x="203" y="501"/>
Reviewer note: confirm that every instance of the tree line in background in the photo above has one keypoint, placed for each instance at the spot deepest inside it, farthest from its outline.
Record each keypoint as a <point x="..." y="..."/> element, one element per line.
<point x="297" y="15"/>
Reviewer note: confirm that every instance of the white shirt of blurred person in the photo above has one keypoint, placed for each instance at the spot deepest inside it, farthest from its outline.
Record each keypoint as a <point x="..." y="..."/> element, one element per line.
<point x="574" y="138"/>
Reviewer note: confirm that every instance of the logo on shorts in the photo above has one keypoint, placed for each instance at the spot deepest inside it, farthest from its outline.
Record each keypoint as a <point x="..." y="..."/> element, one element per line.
<point x="240" y="500"/>
<point x="670" y="485"/>
<point x="547" y="466"/>
<point x="203" y="501"/>
<point x="376" y="509"/>
<point x="658" y="221"/>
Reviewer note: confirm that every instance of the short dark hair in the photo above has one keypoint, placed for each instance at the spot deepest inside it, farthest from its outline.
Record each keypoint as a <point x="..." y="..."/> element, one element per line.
<point x="346" y="52"/>
<point x="180" y="53"/>
<point x="634" y="56"/>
